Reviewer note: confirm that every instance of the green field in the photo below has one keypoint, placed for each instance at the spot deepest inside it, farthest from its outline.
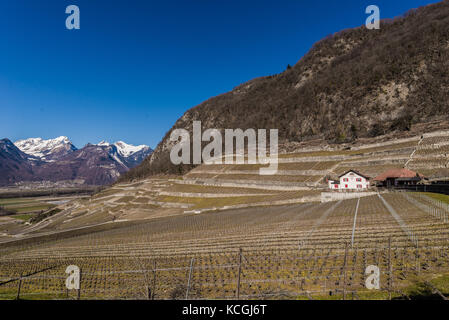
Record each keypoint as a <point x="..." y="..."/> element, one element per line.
<point x="26" y="205"/>
<point x="24" y="217"/>
<point x="438" y="196"/>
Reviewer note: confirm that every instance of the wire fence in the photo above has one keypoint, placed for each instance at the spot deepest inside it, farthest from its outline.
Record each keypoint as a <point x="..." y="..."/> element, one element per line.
<point x="313" y="275"/>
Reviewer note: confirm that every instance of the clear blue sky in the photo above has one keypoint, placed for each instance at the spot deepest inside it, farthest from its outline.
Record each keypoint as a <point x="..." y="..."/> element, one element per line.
<point x="135" y="66"/>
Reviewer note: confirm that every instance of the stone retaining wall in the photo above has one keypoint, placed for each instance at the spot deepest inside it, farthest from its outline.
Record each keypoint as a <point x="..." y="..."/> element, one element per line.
<point x="337" y="196"/>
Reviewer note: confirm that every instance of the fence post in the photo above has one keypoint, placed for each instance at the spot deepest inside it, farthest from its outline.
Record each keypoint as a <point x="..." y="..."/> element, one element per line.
<point x="390" y="269"/>
<point x="190" y="277"/>
<point x="79" y="290"/>
<point x="418" y="266"/>
<point x="239" y="273"/>
<point x="154" y="280"/>
<point x="19" y="286"/>
<point x="344" y="270"/>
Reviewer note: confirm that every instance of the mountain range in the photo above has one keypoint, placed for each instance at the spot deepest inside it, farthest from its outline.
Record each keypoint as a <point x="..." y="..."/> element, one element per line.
<point x="355" y="84"/>
<point x="56" y="160"/>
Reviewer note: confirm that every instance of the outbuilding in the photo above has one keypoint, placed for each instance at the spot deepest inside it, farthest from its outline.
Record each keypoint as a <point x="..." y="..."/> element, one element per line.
<point x="398" y="178"/>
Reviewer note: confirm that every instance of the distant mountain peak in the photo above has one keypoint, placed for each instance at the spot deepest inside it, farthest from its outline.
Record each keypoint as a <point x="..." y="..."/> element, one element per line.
<point x="127" y="150"/>
<point x="37" y="159"/>
<point x="46" y="149"/>
<point x="124" y="149"/>
<point x="103" y="143"/>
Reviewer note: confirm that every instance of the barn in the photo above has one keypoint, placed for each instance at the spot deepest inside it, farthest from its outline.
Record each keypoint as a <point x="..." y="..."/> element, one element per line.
<point x="398" y="177"/>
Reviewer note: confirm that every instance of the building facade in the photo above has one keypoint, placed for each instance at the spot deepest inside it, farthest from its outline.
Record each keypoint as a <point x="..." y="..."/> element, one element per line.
<point x="350" y="180"/>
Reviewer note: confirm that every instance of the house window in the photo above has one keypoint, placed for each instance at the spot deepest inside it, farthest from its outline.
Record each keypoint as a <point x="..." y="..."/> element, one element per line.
<point x="359" y="179"/>
<point x="346" y="186"/>
<point x="336" y="186"/>
<point x="345" y="179"/>
<point x="359" y="186"/>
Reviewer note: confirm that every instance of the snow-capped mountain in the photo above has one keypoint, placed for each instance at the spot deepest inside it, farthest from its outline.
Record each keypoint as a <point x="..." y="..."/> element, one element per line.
<point x="131" y="155"/>
<point x="57" y="160"/>
<point x="46" y="150"/>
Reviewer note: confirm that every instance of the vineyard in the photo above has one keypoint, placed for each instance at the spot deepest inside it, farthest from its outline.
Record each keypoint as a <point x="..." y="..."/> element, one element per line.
<point x="431" y="155"/>
<point x="301" y="178"/>
<point x="300" y="251"/>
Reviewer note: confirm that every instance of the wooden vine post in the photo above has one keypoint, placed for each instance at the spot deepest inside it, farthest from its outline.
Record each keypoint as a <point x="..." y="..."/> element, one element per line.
<point x="390" y="269"/>
<point x="154" y="280"/>
<point x="239" y="273"/>
<point x="79" y="290"/>
<point x="190" y="278"/>
<point x="19" y="286"/>
<point x="344" y="270"/>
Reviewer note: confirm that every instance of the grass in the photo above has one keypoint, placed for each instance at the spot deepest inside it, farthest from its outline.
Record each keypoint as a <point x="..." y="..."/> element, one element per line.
<point x="191" y="188"/>
<point x="422" y="290"/>
<point x="360" y="295"/>
<point x="316" y="165"/>
<point x="201" y="203"/>
<point x="126" y="199"/>
<point x="418" y="290"/>
<point x="255" y="177"/>
<point x="218" y="202"/>
<point x="11" y="294"/>
<point x="14" y="201"/>
<point x="42" y="216"/>
<point x="36" y="208"/>
<point x="391" y="147"/>
<point x="438" y="196"/>
<point x="24" y="217"/>
<point x="25" y="205"/>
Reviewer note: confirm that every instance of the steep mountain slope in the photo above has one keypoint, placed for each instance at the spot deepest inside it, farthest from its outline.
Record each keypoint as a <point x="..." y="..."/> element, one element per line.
<point x="46" y="150"/>
<point x="130" y="155"/>
<point x="355" y="84"/>
<point x="93" y="164"/>
<point x="14" y="164"/>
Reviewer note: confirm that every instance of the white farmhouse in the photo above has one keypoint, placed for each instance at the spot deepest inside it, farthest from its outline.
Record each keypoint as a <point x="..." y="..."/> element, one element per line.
<point x="350" y="180"/>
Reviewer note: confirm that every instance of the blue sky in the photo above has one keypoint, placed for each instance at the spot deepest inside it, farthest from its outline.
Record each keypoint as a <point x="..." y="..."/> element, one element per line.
<point x="135" y="66"/>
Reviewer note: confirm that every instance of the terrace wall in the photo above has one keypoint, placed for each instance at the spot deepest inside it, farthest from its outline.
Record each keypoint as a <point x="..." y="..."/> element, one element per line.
<point x="337" y="196"/>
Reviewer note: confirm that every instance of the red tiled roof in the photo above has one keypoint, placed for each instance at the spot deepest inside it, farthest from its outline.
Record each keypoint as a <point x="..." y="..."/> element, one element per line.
<point x="397" y="173"/>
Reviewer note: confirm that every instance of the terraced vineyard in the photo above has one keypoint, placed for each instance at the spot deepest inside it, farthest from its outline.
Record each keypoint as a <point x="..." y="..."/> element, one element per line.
<point x="138" y="239"/>
<point x="301" y="177"/>
<point x="432" y="155"/>
<point x="308" y="250"/>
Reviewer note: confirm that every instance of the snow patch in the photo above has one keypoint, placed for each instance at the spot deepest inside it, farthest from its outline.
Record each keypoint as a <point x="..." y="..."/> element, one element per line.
<point x="124" y="149"/>
<point x="41" y="148"/>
